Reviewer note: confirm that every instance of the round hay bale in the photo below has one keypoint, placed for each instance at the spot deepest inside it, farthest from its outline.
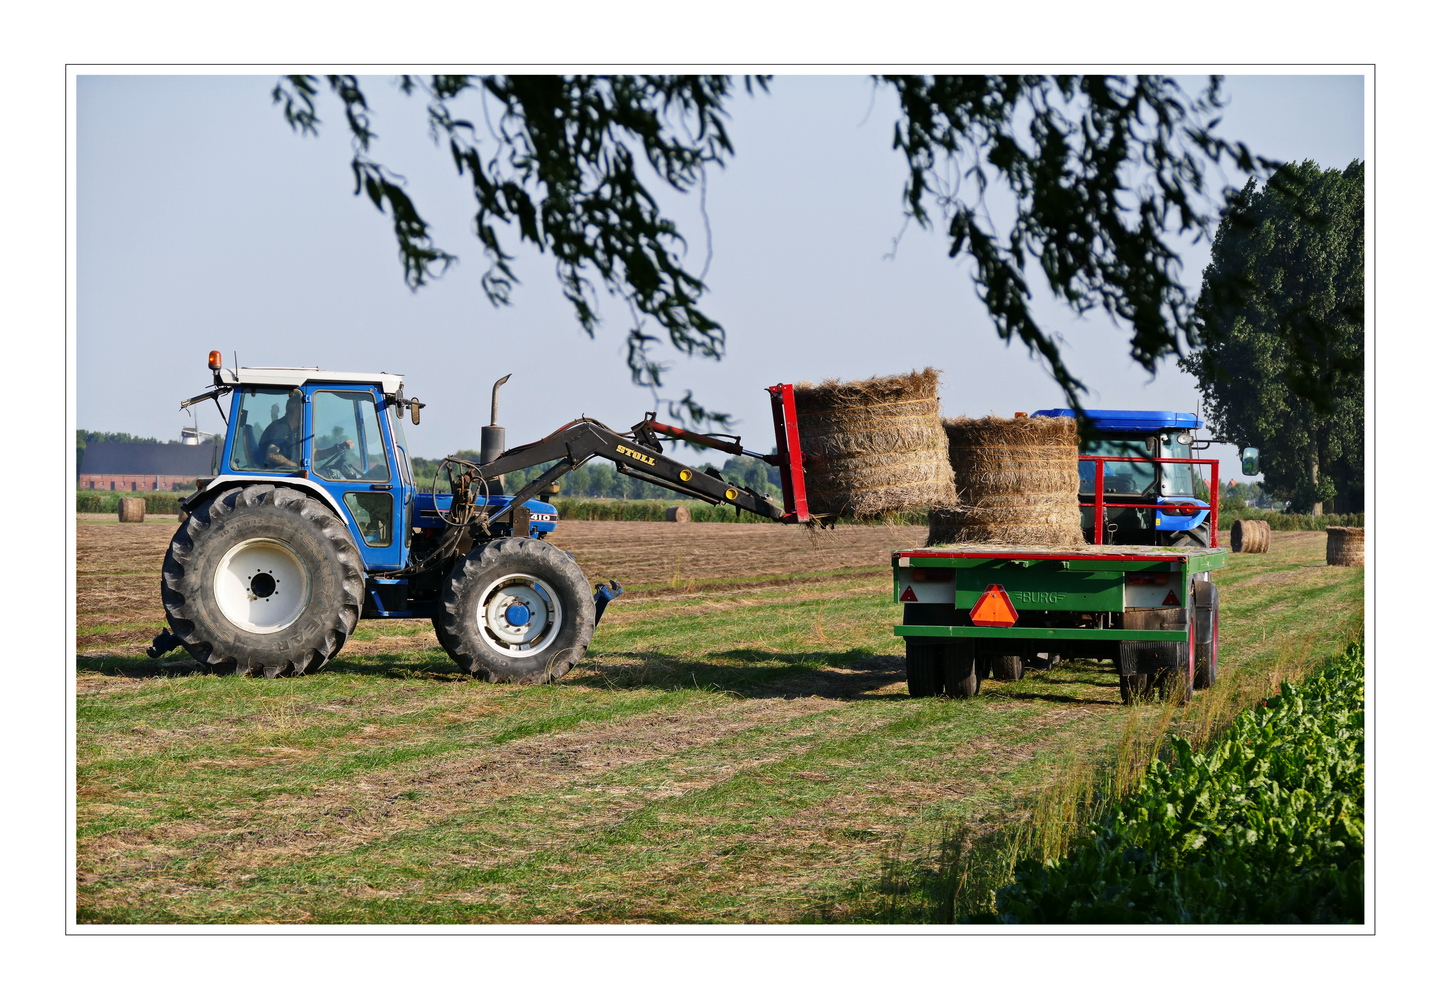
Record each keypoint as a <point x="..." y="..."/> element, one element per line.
<point x="132" y="509"/>
<point x="1016" y="483"/>
<point x="679" y="514"/>
<point x="1250" y="536"/>
<point x="874" y="447"/>
<point x="1345" y="546"/>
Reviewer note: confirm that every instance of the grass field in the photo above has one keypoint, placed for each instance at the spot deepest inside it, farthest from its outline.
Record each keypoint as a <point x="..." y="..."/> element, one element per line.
<point x="737" y="747"/>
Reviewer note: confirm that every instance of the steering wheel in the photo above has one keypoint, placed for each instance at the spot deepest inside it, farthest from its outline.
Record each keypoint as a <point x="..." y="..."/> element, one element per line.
<point x="341" y="466"/>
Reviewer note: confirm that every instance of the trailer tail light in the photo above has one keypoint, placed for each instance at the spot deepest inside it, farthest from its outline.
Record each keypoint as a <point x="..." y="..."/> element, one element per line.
<point x="994" y="608"/>
<point x="1148" y="579"/>
<point x="932" y="575"/>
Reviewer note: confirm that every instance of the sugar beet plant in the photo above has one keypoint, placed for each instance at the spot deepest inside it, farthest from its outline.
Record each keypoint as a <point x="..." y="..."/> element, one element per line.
<point x="1268" y="827"/>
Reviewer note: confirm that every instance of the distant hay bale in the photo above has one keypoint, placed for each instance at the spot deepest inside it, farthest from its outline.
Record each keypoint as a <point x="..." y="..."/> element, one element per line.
<point x="1250" y="536"/>
<point x="1345" y="546"/>
<point x="678" y="513"/>
<point x="132" y="510"/>
<point x="1017" y="482"/>
<point x="874" y="447"/>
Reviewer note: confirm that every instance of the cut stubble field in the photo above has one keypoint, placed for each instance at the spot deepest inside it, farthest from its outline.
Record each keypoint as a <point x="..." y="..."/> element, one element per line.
<point x="737" y="747"/>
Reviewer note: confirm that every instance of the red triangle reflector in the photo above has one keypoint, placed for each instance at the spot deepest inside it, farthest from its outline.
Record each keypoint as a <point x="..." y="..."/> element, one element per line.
<point x="909" y="595"/>
<point x="994" y="608"/>
<point x="1171" y="601"/>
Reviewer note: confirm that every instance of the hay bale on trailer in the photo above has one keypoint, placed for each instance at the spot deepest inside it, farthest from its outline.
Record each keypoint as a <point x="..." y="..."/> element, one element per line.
<point x="1016" y="483"/>
<point x="874" y="447"/>
<point x="1250" y="536"/>
<point x="1345" y="546"/>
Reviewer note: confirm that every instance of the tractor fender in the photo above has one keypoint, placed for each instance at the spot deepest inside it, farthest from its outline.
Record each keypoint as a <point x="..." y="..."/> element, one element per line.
<point x="222" y="483"/>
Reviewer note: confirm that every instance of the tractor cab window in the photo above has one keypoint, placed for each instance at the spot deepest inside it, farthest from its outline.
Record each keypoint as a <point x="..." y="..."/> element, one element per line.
<point x="347" y="444"/>
<point x="1176" y="480"/>
<point x="402" y="450"/>
<point x="267" y="431"/>
<point x="1120" y="477"/>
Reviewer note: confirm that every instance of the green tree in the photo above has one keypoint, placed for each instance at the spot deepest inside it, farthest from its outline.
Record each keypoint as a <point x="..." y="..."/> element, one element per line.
<point x="1103" y="170"/>
<point x="1283" y="304"/>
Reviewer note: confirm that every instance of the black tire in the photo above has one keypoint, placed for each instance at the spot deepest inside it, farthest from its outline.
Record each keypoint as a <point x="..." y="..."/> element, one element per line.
<point x="960" y="669"/>
<point x="1006" y="668"/>
<point x="1207" y="647"/>
<point x="1195" y="538"/>
<point x="1176" y="678"/>
<point x="922" y="669"/>
<point x="1134" y="687"/>
<point x="262" y="578"/>
<point x="533" y="579"/>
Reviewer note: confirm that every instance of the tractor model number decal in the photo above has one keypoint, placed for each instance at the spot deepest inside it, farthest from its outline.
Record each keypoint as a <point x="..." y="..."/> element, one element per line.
<point x="639" y="456"/>
<point x="1035" y="597"/>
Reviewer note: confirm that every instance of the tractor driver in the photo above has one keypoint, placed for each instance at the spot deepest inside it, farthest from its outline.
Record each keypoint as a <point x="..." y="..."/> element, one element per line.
<point x="280" y="444"/>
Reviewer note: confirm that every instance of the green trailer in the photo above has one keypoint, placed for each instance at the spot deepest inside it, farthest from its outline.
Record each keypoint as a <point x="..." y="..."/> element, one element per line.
<point x="978" y="611"/>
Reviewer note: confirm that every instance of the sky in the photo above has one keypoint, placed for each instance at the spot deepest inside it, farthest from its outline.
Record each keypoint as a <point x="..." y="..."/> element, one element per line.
<point x="203" y="222"/>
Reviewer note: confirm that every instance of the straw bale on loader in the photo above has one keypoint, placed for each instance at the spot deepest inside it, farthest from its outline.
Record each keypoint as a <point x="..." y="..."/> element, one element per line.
<point x="874" y="447"/>
<point x="1016" y="483"/>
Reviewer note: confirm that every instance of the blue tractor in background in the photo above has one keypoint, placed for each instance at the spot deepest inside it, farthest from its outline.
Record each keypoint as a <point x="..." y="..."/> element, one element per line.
<point x="1153" y="498"/>
<point x="313" y="520"/>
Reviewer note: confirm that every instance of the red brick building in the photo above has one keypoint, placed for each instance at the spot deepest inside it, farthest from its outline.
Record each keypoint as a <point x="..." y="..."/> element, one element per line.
<point x="112" y="465"/>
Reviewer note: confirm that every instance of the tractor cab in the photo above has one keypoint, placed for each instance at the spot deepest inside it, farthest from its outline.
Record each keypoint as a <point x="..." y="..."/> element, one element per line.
<point x="340" y="438"/>
<point x="1149" y="492"/>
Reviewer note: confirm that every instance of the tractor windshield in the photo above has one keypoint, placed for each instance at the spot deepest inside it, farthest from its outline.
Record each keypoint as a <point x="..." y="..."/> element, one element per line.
<point x="1120" y="477"/>
<point x="1176" y="480"/>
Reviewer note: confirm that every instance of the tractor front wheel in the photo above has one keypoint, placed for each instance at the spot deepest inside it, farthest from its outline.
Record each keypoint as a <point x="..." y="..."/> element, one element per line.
<point x="262" y="578"/>
<point x="516" y="609"/>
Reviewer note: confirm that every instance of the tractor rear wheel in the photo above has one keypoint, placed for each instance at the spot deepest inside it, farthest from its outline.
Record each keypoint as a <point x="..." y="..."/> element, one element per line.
<point x="262" y="578"/>
<point x="516" y="609"/>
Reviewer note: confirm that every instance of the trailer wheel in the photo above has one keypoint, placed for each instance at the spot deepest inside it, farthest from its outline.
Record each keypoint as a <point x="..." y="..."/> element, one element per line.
<point x="1134" y="687"/>
<point x="262" y="578"/>
<point x="922" y="668"/>
<point x="517" y="609"/>
<point x="961" y="669"/>
<point x="1006" y="668"/>
<point x="1177" y="679"/>
<point x="1207" y="644"/>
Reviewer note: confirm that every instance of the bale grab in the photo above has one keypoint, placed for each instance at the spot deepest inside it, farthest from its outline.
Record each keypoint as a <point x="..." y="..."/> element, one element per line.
<point x="874" y="447"/>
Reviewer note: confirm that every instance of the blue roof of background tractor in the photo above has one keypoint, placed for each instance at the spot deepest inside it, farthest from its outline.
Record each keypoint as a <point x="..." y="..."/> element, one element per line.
<point x="1131" y="420"/>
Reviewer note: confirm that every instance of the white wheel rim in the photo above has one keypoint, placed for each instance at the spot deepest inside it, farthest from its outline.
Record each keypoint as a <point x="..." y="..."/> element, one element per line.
<point x="542" y="615"/>
<point x="261" y="585"/>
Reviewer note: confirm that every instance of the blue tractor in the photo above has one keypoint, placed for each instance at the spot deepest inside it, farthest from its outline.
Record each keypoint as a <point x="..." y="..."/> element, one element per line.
<point x="313" y="520"/>
<point x="1150" y="493"/>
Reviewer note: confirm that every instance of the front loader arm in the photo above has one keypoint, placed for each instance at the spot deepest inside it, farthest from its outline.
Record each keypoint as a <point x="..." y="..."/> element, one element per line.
<point x="637" y="455"/>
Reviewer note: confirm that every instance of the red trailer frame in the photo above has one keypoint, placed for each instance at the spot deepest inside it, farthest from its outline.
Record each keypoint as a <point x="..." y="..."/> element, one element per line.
<point x="1099" y="504"/>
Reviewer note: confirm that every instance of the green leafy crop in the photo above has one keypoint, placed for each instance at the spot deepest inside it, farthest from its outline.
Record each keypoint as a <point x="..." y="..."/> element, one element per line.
<point x="1268" y="827"/>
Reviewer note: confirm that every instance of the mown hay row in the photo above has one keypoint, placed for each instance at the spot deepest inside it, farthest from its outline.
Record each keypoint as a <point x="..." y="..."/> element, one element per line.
<point x="1016" y="483"/>
<point x="874" y="447"/>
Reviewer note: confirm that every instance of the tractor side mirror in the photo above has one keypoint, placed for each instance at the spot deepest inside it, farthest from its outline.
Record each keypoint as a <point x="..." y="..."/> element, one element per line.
<point x="415" y="406"/>
<point x="1250" y="461"/>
